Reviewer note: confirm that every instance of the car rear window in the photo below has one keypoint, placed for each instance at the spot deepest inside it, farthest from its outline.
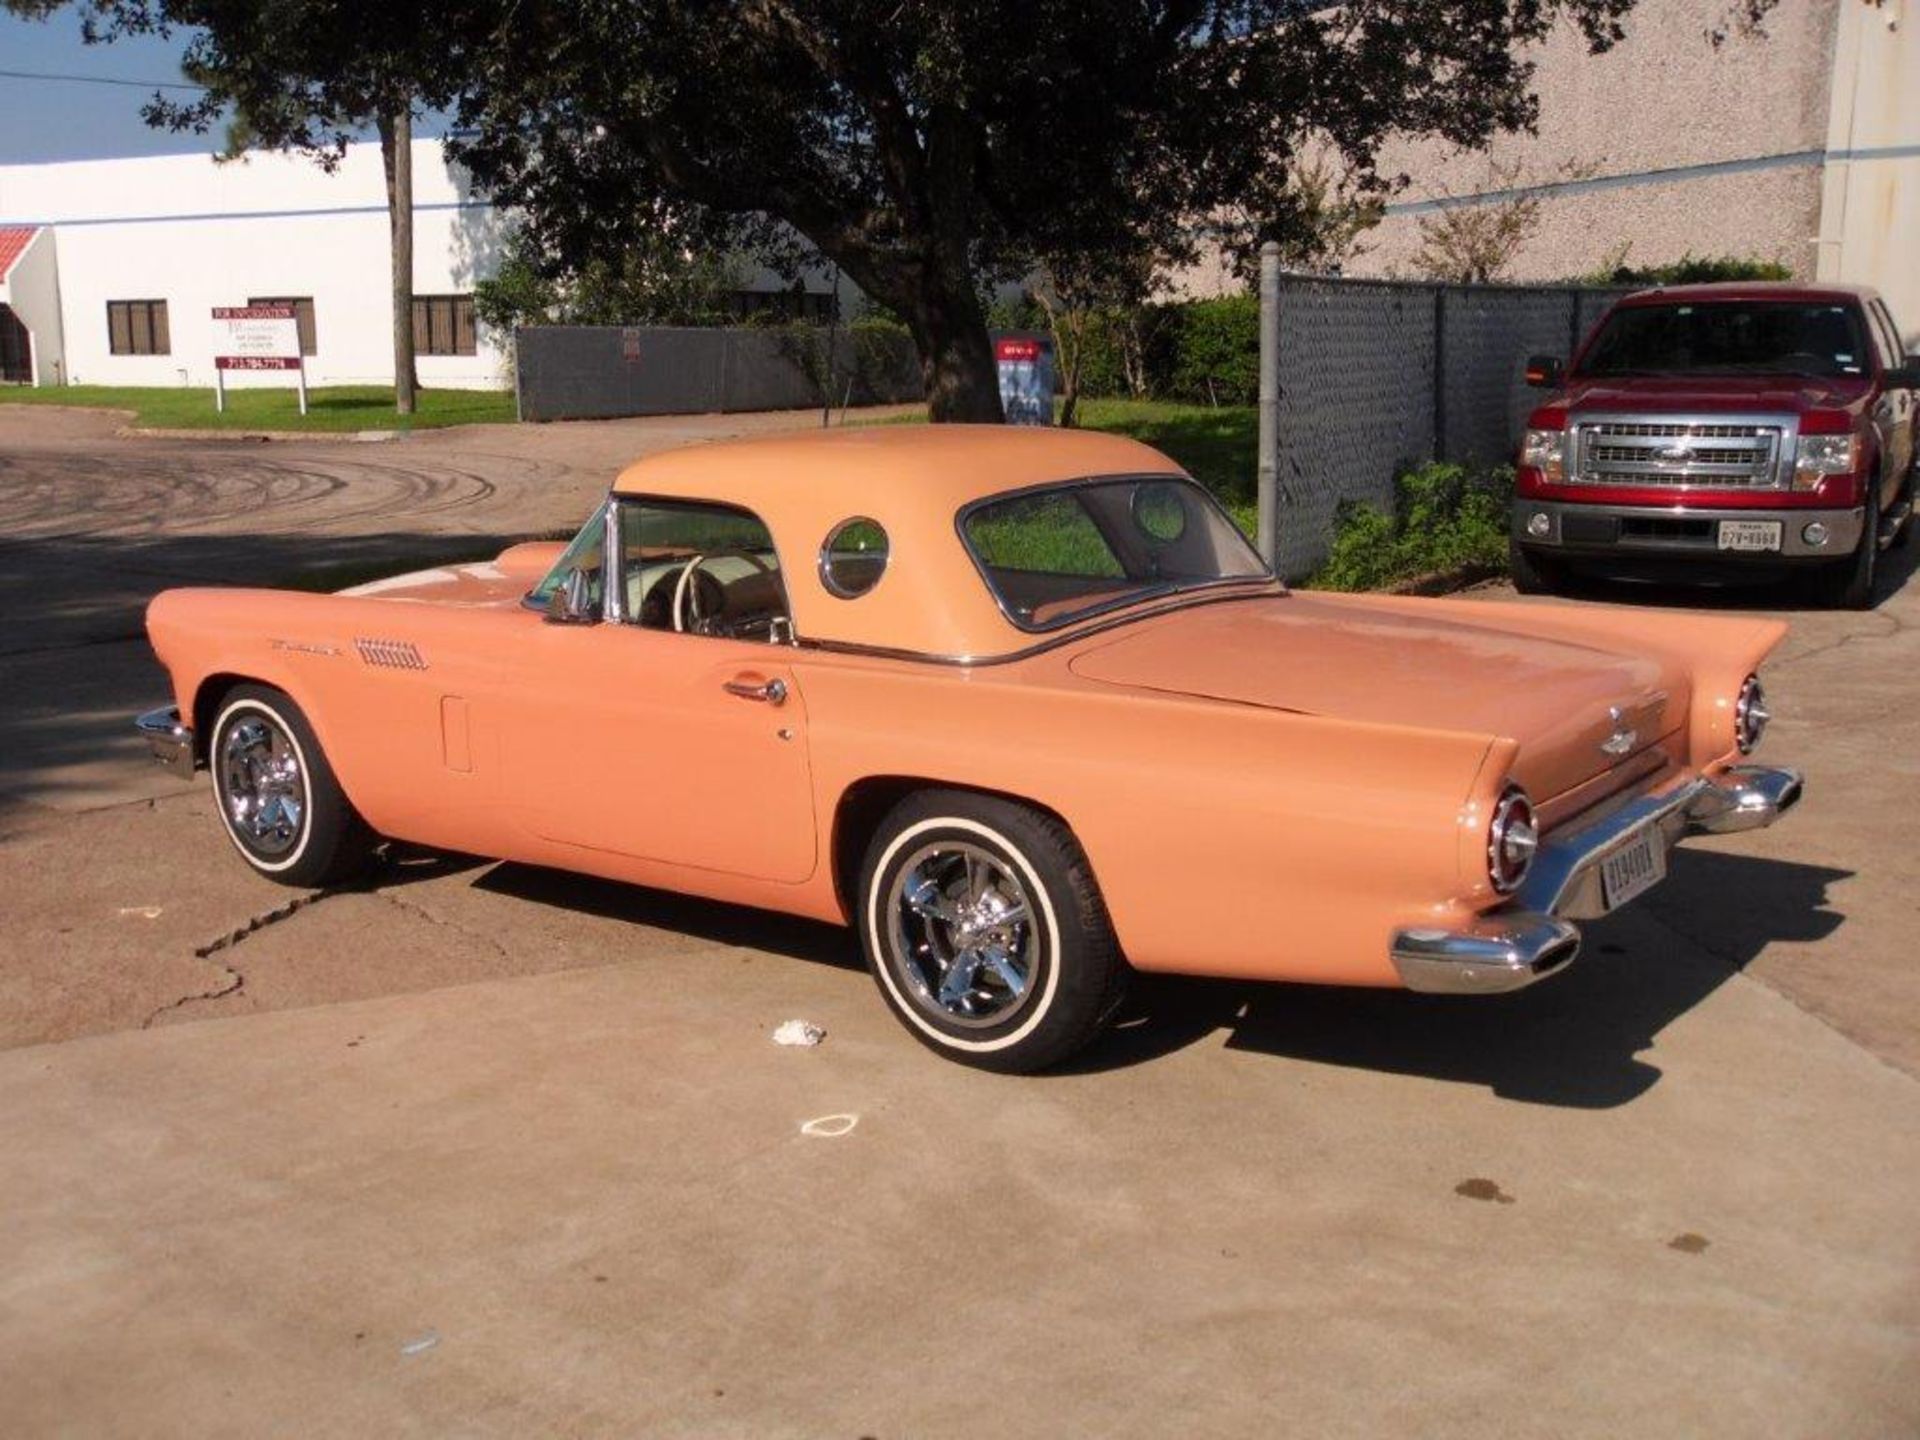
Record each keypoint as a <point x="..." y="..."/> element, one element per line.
<point x="1051" y="556"/>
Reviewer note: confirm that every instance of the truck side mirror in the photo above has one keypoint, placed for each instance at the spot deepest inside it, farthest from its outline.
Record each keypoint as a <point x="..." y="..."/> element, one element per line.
<point x="1543" y="371"/>
<point x="1903" y="377"/>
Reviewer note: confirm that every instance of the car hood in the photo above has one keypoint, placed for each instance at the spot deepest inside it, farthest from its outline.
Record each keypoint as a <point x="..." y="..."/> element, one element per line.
<point x="1790" y="394"/>
<point x="1493" y="677"/>
<point x="480" y="584"/>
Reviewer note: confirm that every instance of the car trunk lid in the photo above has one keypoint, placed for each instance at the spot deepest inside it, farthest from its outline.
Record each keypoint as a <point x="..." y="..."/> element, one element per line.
<point x="1577" y="710"/>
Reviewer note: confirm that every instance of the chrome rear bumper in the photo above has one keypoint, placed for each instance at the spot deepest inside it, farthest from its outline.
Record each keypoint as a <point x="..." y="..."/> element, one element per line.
<point x="170" y="741"/>
<point x="1530" y="938"/>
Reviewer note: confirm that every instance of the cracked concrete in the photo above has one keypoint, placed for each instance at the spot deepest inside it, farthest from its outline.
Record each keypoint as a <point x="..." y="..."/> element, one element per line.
<point x="540" y="1117"/>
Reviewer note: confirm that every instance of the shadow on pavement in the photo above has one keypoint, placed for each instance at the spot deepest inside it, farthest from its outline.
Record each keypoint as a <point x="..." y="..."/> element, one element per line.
<point x="1896" y="568"/>
<point x="788" y="935"/>
<point x="1572" y="1041"/>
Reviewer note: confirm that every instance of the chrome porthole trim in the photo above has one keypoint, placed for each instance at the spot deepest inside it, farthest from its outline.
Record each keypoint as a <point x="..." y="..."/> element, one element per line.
<point x="832" y="583"/>
<point x="261" y="781"/>
<point x="962" y="934"/>
<point x="1513" y="839"/>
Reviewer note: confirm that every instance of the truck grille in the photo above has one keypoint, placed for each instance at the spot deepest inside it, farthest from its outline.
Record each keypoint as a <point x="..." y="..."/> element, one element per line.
<point x="1677" y="452"/>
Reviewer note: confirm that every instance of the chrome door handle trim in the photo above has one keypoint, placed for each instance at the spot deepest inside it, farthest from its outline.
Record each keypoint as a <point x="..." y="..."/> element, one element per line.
<point x="773" y="692"/>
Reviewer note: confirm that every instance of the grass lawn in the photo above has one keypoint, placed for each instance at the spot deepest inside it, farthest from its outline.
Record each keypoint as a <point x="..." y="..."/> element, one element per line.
<point x="335" y="407"/>
<point x="1215" y="444"/>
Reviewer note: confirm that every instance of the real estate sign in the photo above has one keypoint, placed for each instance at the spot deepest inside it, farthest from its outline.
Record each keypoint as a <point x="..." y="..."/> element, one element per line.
<point x="256" y="337"/>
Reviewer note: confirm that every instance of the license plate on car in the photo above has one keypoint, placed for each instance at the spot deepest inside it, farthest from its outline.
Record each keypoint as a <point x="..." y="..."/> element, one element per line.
<point x="1749" y="534"/>
<point x="1637" y="866"/>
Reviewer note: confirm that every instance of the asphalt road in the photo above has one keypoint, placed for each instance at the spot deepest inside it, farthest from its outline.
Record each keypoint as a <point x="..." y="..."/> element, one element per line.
<point x="484" y="1149"/>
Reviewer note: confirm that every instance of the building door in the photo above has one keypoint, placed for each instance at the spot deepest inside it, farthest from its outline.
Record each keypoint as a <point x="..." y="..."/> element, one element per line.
<point x="16" y="350"/>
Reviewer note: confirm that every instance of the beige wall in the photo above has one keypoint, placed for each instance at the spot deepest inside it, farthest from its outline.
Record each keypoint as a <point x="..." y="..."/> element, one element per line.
<point x="1870" y="231"/>
<point x="1743" y="120"/>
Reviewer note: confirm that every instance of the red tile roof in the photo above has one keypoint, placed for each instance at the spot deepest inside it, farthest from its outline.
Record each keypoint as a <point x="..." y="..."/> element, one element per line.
<point x="14" y="240"/>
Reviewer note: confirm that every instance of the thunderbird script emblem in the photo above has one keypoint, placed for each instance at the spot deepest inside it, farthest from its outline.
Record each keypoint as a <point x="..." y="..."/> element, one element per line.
<point x="1621" y="741"/>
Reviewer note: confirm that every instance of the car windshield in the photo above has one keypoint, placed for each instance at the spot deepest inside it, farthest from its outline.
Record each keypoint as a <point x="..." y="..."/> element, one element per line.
<point x="1730" y="337"/>
<point x="1051" y="556"/>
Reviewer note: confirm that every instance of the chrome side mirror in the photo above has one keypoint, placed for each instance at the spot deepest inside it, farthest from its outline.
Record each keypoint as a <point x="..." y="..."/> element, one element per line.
<point x="574" y="602"/>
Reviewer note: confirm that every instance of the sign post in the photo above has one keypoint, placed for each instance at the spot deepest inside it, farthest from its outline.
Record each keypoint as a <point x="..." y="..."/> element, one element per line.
<point x="256" y="337"/>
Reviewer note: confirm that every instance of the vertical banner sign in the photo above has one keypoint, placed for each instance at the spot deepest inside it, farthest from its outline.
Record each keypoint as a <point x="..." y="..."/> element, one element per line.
<point x="256" y="337"/>
<point x="630" y="344"/>
<point x="1026" y="380"/>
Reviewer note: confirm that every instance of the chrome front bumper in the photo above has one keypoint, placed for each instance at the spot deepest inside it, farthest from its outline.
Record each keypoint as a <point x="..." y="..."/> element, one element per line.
<point x="1531" y="937"/>
<point x="1597" y="528"/>
<point x="170" y="741"/>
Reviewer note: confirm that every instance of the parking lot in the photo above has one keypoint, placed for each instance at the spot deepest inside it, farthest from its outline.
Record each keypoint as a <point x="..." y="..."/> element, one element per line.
<point x="484" y="1149"/>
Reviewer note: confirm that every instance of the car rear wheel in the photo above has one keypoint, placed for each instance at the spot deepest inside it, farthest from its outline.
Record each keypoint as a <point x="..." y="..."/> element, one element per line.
<point x="277" y="796"/>
<point x="1533" y="574"/>
<point x="986" y="933"/>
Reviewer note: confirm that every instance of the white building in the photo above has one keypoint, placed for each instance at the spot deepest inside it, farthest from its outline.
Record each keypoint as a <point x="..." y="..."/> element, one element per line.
<point x="110" y="269"/>
<point x="138" y="252"/>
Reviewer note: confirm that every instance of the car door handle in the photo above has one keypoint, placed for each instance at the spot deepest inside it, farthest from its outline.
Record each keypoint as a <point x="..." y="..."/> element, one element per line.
<point x="773" y="692"/>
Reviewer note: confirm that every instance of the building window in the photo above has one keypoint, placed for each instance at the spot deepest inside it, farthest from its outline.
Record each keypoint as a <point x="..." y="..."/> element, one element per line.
<point x="443" y="325"/>
<point x="138" y="327"/>
<point x="302" y="306"/>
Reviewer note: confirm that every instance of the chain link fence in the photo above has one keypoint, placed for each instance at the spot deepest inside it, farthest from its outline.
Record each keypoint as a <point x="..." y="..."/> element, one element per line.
<point x="580" y="372"/>
<point x="1375" y="376"/>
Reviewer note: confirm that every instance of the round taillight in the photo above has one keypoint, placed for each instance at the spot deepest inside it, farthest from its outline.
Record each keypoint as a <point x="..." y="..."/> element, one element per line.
<point x="1512" y="839"/>
<point x="1750" y="715"/>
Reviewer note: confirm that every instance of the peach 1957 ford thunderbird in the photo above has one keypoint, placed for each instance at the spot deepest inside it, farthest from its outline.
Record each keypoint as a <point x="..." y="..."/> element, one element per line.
<point x="1021" y="707"/>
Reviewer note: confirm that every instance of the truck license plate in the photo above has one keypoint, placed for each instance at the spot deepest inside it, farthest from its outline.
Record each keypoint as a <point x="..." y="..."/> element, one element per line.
<point x="1637" y="866"/>
<point x="1749" y="534"/>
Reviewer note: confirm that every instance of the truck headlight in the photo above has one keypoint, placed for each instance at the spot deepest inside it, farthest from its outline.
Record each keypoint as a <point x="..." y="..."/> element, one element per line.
<point x="1512" y="839"/>
<point x="1546" y="451"/>
<point x="1822" y="455"/>
<point x="1750" y="715"/>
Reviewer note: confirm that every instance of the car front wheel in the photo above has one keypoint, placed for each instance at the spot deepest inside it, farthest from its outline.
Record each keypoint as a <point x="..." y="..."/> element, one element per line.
<point x="277" y="796"/>
<point x="986" y="933"/>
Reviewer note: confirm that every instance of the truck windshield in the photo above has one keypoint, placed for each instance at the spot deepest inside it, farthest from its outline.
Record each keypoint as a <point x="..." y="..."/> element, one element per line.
<point x="1730" y="337"/>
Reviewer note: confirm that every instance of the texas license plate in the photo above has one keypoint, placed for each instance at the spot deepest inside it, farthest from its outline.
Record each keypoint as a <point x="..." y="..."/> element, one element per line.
<point x="1749" y="534"/>
<point x="1637" y="866"/>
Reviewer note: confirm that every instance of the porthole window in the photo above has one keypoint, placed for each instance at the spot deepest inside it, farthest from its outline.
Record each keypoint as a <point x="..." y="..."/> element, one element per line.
<point x="854" y="558"/>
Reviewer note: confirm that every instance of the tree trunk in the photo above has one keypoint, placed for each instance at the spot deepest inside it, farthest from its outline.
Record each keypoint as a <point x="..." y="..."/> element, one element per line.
<point x="956" y="355"/>
<point x="396" y="154"/>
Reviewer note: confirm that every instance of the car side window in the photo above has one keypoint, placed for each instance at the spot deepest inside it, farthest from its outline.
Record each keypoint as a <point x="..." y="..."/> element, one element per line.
<point x="701" y="569"/>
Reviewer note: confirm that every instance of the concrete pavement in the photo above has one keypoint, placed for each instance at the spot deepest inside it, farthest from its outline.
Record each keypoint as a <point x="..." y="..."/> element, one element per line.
<point x="483" y="1149"/>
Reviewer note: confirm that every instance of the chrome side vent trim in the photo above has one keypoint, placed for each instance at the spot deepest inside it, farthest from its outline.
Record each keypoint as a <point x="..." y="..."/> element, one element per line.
<point x="394" y="654"/>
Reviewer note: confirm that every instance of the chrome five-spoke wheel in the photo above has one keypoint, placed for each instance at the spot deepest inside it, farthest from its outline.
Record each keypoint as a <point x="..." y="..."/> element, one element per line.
<point x="262" y="787"/>
<point x="278" y="798"/>
<point x="963" y="926"/>
<point x="985" y="931"/>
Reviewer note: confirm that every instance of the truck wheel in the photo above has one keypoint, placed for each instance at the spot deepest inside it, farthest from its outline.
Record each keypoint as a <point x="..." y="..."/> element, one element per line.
<point x="986" y="933"/>
<point x="1533" y="574"/>
<point x="1848" y="585"/>
<point x="277" y="796"/>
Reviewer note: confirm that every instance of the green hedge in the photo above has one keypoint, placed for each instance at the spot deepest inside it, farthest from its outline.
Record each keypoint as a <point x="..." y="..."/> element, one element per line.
<point x="1445" y="518"/>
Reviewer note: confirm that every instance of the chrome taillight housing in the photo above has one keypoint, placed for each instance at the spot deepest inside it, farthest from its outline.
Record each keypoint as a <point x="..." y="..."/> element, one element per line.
<point x="1512" y="840"/>
<point x="1750" y="715"/>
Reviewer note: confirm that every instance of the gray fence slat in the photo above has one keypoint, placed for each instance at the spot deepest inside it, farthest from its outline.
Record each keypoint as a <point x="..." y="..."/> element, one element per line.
<point x="1376" y="376"/>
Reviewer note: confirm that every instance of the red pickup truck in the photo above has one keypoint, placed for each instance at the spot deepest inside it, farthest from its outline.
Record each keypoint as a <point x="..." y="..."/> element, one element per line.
<point x="1742" y="430"/>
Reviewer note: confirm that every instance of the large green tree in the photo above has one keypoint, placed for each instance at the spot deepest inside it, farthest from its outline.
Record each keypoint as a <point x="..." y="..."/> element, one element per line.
<point x="308" y="76"/>
<point x="921" y="144"/>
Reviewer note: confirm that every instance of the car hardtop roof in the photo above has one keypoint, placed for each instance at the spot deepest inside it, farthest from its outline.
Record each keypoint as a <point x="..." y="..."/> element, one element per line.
<point x="910" y="480"/>
<point x="840" y="470"/>
<point x="1748" y="290"/>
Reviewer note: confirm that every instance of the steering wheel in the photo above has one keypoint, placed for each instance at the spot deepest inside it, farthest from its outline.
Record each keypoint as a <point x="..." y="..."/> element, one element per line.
<point x="686" y="607"/>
